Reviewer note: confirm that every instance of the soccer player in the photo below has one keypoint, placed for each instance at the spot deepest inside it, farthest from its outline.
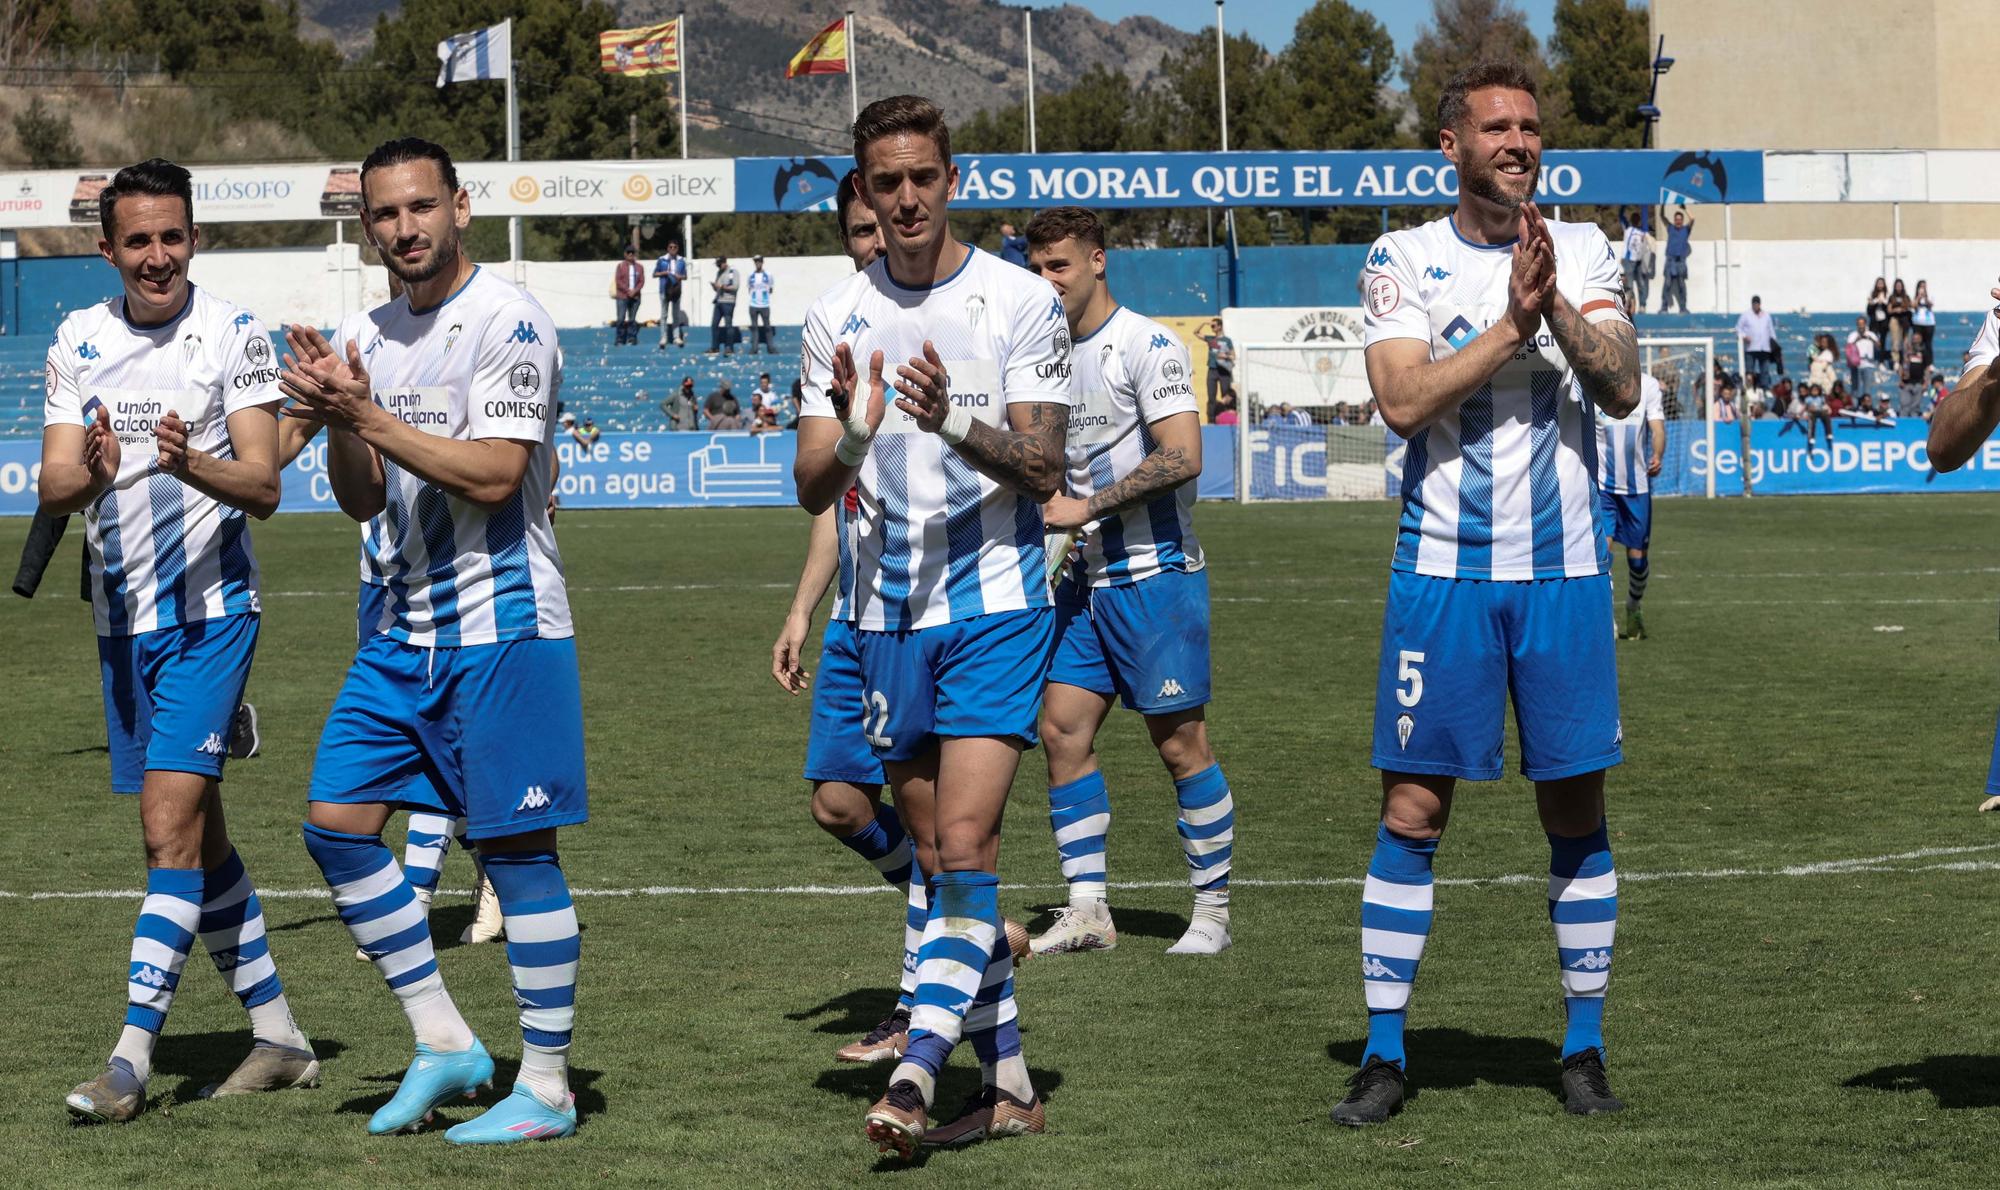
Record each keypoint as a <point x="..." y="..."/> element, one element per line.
<point x="161" y="429"/>
<point x="1132" y="613"/>
<point x="440" y="415"/>
<point x="1490" y="334"/>
<point x="1625" y="470"/>
<point x="951" y="601"/>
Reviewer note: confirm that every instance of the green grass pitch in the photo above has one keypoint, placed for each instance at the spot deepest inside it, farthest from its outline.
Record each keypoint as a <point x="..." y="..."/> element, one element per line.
<point x="1818" y="688"/>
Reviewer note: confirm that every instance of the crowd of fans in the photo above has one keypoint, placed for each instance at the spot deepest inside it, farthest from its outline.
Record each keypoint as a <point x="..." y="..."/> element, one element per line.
<point x="1882" y="369"/>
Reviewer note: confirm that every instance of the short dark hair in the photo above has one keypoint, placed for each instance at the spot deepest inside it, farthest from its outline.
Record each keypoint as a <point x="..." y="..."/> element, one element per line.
<point x="409" y="148"/>
<point x="155" y="176"/>
<point x="1488" y="72"/>
<point x="849" y="191"/>
<point x="899" y="114"/>
<point x="1056" y="224"/>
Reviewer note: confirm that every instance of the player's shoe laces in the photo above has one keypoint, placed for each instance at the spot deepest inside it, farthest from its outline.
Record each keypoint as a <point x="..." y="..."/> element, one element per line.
<point x="521" y="1116"/>
<point x="243" y="738"/>
<point x="1586" y="1091"/>
<point x="1078" y="927"/>
<point x="884" y="1042"/>
<point x="487" y="923"/>
<point x="989" y="1115"/>
<point x="1635" y="625"/>
<point x="268" y="1067"/>
<point x="115" y="1096"/>
<point x="897" y="1120"/>
<point x="432" y="1080"/>
<point x="1377" y="1094"/>
<point x="1204" y="935"/>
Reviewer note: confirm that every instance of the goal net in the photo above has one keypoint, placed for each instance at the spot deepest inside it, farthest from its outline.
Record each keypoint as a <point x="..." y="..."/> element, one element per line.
<point x="1684" y="368"/>
<point x="1304" y="411"/>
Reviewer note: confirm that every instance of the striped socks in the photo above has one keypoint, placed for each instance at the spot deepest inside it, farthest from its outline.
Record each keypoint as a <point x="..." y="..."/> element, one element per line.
<point x="958" y="942"/>
<point x="1636" y="570"/>
<point x="1080" y="812"/>
<point x="916" y="916"/>
<point x="883" y="844"/>
<point x="388" y="922"/>
<point x="543" y="946"/>
<point x="1395" y="923"/>
<point x="161" y="940"/>
<point x="232" y="930"/>
<point x="1208" y="835"/>
<point x="424" y="849"/>
<point x="992" y="1029"/>
<point x="1583" y="904"/>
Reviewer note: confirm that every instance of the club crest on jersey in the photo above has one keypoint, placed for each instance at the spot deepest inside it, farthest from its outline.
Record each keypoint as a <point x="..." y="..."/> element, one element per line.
<point x="525" y="380"/>
<point x="450" y="335"/>
<point x="1458" y="332"/>
<point x="1062" y="342"/>
<point x="1172" y="371"/>
<point x="1404" y="726"/>
<point x="975" y="310"/>
<point x="257" y="351"/>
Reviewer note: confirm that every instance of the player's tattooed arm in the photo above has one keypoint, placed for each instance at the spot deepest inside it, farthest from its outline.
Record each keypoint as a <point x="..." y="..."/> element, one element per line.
<point x="1029" y="458"/>
<point x="1174" y="460"/>
<point x="1604" y="355"/>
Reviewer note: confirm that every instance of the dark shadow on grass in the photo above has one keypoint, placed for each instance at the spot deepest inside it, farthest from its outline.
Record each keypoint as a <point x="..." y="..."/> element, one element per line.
<point x="1140" y="923"/>
<point x="1954" y="1080"/>
<point x="957" y="1084"/>
<point x="582" y="1084"/>
<point x="201" y="1060"/>
<point x="92" y="750"/>
<point x="1453" y="1059"/>
<point x="855" y="1011"/>
<point x="308" y="922"/>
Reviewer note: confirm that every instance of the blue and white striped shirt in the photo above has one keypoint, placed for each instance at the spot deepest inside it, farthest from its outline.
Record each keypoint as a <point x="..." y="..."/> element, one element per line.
<point x="162" y="553"/>
<point x="933" y="541"/>
<point x="1624" y="444"/>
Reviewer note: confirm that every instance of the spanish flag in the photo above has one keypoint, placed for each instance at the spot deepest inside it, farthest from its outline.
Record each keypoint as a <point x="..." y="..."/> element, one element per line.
<point x="655" y="49"/>
<point x="826" y="53"/>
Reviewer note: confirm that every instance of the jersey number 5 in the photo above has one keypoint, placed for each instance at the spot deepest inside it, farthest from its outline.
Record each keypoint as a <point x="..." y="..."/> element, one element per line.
<point x="1406" y="671"/>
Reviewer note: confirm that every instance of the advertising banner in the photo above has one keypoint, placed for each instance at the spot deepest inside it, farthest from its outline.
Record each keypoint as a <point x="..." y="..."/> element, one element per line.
<point x="1863" y="457"/>
<point x="1305" y="179"/>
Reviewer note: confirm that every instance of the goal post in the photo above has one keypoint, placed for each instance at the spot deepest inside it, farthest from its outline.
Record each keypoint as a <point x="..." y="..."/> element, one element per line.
<point x="1684" y="366"/>
<point x="1303" y="433"/>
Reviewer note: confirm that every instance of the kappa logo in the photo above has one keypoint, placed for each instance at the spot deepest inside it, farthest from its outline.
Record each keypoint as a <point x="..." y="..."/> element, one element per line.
<point x="1160" y="341"/>
<point x="224" y="960"/>
<point x="962" y="1007"/>
<point x="1434" y="273"/>
<point x="1592" y="960"/>
<point x="1374" y="968"/>
<point x="245" y="318"/>
<point x="1056" y="310"/>
<point x="86" y="351"/>
<point x="854" y="325"/>
<point x="537" y="798"/>
<point x="1378" y="258"/>
<point x="1170" y="689"/>
<point x="214" y="745"/>
<point x="1404" y="726"/>
<point x="1458" y="332"/>
<point x="149" y="975"/>
<point x="524" y="333"/>
<point x="521" y="1001"/>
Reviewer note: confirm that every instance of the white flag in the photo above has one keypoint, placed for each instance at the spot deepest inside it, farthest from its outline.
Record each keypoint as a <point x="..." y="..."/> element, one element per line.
<point x="480" y="55"/>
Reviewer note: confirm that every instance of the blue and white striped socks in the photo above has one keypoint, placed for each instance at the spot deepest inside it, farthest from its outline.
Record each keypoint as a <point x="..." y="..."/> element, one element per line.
<point x="958" y="944"/>
<point x="1395" y="923"/>
<point x="543" y="946"/>
<point x="916" y="916"/>
<point x="424" y="849"/>
<point x="991" y="1025"/>
<point x="1208" y="836"/>
<point x="884" y="844"/>
<point x="389" y="923"/>
<point x="1583" y="904"/>
<point x="1080" y="812"/>
<point x="232" y="930"/>
<point x="161" y="940"/>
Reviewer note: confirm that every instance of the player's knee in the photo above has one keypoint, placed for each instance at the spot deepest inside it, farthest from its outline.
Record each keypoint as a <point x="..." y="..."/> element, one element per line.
<point x="964" y="847"/>
<point x="841" y="809"/>
<point x="1067" y="742"/>
<point x="1184" y="747"/>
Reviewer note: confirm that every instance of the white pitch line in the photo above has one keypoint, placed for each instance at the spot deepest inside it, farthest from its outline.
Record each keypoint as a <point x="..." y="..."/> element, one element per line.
<point x="1829" y="867"/>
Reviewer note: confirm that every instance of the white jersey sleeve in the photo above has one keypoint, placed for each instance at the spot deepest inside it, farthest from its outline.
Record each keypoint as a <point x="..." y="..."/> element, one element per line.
<point x="249" y="367"/>
<point x="1986" y="344"/>
<point x="1389" y="287"/>
<point x="513" y="382"/>
<point x="1603" y="280"/>
<point x="816" y="364"/>
<point x="1037" y="362"/>
<point x="62" y="403"/>
<point x="1161" y="377"/>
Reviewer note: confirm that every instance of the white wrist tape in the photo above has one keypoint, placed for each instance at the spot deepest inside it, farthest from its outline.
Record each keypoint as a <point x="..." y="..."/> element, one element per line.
<point x="855" y="437"/>
<point x="957" y="424"/>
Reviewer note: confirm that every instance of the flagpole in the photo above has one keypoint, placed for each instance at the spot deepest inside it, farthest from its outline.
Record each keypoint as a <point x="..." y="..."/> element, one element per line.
<point x="1028" y="22"/>
<point x="1221" y="76"/>
<point x="514" y="253"/>
<point x="853" y="87"/>
<point x="681" y="56"/>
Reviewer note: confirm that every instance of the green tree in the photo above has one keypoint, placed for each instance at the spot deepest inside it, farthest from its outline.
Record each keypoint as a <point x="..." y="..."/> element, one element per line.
<point x="1603" y="71"/>
<point x="46" y="137"/>
<point x="1331" y="85"/>
<point x="1460" y="33"/>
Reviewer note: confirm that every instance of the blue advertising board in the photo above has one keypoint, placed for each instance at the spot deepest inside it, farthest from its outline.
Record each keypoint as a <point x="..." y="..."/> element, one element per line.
<point x="1343" y="178"/>
<point x="1863" y="457"/>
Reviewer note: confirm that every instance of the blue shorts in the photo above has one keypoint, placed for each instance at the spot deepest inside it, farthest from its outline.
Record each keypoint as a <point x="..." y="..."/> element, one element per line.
<point x="1627" y="520"/>
<point x="170" y="696"/>
<point x="976" y="677"/>
<point x="368" y="609"/>
<point x="1452" y="651"/>
<point x="835" y="747"/>
<point x="1146" y="642"/>
<point x="497" y="729"/>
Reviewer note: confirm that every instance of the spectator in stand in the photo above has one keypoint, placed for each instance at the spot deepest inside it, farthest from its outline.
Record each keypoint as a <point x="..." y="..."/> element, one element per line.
<point x="759" y="284"/>
<point x="1934" y="389"/>
<point x="672" y="271"/>
<point x="1013" y="246"/>
<point x="764" y="394"/>
<point x="1862" y="347"/>
<point x="722" y="326"/>
<point x="683" y="409"/>
<point x="1821" y="370"/>
<point x="1877" y="310"/>
<point x="1225" y="408"/>
<point x="1911" y="378"/>
<point x="1814" y="407"/>
<point x="1759" y="335"/>
<point x="1725" y="402"/>
<point x="1780" y="399"/>
<point x="1221" y="362"/>
<point x="1899" y="319"/>
<point x="723" y="411"/>
<point x="1837" y="401"/>
<point x="764" y="420"/>
<point x="1278" y="415"/>
<point x="1674" y="289"/>
<point x="627" y="283"/>
<point x="585" y="435"/>
<point x="1638" y="249"/>
<point x="1923" y="321"/>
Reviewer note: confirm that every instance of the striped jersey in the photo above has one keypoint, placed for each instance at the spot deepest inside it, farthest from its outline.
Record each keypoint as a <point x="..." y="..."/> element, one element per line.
<point x="481" y="364"/>
<point x="1129" y="373"/>
<point x="934" y="541"/>
<point x="161" y="553"/>
<point x="1625" y="443"/>
<point x="1504" y="486"/>
<point x="846" y="525"/>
